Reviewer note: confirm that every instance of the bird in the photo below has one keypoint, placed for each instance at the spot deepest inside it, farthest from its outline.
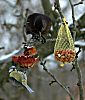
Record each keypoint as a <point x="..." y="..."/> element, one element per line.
<point x="19" y="77"/>
<point x="38" y="24"/>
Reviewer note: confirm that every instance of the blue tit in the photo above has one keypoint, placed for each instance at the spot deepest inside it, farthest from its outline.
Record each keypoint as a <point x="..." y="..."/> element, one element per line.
<point x="20" y="77"/>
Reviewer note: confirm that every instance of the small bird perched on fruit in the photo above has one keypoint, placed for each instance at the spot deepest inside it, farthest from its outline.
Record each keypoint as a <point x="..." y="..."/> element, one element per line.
<point x="19" y="77"/>
<point x="37" y="24"/>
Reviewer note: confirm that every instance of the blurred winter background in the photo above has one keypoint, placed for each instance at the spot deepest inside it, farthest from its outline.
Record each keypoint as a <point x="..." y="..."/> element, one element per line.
<point x="11" y="38"/>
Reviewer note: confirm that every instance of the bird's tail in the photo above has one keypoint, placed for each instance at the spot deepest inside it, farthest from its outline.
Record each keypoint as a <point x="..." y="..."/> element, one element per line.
<point x="29" y="89"/>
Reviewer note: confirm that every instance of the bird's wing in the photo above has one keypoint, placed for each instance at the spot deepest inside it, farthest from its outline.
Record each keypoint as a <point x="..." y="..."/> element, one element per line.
<point x="24" y="83"/>
<point x="28" y="88"/>
<point x="16" y="76"/>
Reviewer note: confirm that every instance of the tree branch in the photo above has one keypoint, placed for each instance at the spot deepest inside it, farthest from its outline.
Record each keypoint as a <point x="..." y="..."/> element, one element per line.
<point x="74" y="21"/>
<point x="57" y="6"/>
<point x="2" y="48"/>
<point x="76" y="4"/>
<point x="46" y="6"/>
<point x="80" y="82"/>
<point x="56" y="81"/>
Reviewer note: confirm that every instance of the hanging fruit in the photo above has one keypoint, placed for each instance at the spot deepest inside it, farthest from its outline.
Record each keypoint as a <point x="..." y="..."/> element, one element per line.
<point x="25" y="61"/>
<point x="64" y="50"/>
<point x="29" y="58"/>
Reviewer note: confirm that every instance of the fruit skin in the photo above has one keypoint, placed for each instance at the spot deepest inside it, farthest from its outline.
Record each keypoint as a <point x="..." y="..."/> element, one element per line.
<point x="25" y="61"/>
<point x="65" y="55"/>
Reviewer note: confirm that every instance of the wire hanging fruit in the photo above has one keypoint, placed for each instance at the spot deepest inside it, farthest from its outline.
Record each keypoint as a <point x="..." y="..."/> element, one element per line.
<point x="64" y="50"/>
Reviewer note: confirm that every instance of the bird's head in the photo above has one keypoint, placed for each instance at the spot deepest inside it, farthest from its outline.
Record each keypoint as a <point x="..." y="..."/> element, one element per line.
<point x="12" y="68"/>
<point x="46" y="24"/>
<point x="42" y="23"/>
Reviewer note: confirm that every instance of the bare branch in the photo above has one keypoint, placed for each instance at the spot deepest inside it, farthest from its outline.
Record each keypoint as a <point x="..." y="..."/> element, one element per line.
<point x="2" y="48"/>
<point x="74" y="21"/>
<point x="76" y="4"/>
<point x="80" y="82"/>
<point x="56" y="81"/>
<point x="25" y="19"/>
<point x="57" y="6"/>
<point x="76" y="65"/>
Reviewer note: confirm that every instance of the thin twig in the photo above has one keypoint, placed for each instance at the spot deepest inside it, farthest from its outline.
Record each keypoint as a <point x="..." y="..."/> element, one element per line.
<point x="73" y="16"/>
<point x="24" y="35"/>
<point x="2" y="48"/>
<point x="74" y="21"/>
<point x="80" y="82"/>
<point x="57" y="6"/>
<point x="56" y="81"/>
<point x="76" y="58"/>
<point x="78" y="52"/>
<point x="24" y="31"/>
<point x="76" y="4"/>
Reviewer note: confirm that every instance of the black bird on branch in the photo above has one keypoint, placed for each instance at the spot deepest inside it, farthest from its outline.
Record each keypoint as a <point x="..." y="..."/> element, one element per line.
<point x="38" y="24"/>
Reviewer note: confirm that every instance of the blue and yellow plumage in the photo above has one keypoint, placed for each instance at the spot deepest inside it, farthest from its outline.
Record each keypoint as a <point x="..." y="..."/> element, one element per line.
<point x="20" y="77"/>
